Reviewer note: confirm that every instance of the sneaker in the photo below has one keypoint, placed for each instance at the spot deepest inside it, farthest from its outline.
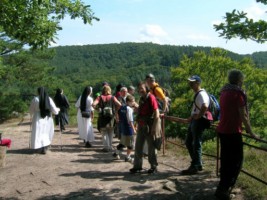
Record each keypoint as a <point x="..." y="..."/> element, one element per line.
<point x="135" y="170"/>
<point x="128" y="159"/>
<point x="117" y="157"/>
<point x="190" y="171"/>
<point x="152" y="170"/>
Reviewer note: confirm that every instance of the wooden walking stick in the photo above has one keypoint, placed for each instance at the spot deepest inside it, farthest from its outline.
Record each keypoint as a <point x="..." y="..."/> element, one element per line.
<point x="30" y="131"/>
<point x="218" y="155"/>
<point x="60" y="134"/>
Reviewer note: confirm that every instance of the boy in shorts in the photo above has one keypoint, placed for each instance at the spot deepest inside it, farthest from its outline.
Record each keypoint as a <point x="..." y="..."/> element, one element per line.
<point x="128" y="129"/>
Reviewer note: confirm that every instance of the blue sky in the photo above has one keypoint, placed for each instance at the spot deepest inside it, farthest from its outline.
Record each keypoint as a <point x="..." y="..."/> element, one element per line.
<point x="174" y="22"/>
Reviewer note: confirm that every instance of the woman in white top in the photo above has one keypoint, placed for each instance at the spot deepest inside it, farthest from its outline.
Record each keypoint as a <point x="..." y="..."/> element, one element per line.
<point x="85" y="126"/>
<point x="42" y="108"/>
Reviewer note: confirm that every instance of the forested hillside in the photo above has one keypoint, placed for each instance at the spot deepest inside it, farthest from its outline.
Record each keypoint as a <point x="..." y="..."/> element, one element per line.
<point x="128" y="63"/>
<point x="125" y="62"/>
<point x="74" y="67"/>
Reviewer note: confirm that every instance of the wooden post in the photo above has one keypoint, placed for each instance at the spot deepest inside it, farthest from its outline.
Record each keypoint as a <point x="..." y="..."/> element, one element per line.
<point x="2" y="156"/>
<point x="163" y="132"/>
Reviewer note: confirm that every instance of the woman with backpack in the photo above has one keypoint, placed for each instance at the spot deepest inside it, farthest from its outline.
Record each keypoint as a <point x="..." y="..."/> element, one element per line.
<point x="85" y="116"/>
<point x="107" y="105"/>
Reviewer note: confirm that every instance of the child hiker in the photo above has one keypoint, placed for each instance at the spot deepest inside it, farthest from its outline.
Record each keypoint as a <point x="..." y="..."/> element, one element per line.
<point x="128" y="129"/>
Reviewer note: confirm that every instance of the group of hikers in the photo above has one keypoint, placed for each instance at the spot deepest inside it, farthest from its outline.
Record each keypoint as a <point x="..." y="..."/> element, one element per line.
<point x="120" y="113"/>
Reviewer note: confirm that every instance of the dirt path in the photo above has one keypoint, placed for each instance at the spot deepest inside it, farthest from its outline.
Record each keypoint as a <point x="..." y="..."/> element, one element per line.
<point x="76" y="172"/>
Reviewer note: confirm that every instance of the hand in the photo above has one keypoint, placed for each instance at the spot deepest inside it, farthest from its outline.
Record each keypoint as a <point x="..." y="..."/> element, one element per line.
<point x="188" y="120"/>
<point x="117" y="120"/>
<point x="153" y="132"/>
<point x="196" y="116"/>
<point x="254" y="136"/>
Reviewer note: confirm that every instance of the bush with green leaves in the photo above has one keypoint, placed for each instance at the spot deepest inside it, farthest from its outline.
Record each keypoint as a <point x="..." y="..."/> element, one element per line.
<point x="213" y="69"/>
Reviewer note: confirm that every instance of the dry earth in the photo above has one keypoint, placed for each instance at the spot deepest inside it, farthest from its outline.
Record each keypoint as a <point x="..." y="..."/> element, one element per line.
<point x="75" y="172"/>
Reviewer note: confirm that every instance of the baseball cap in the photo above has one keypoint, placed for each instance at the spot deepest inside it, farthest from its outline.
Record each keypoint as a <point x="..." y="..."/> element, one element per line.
<point x="105" y="84"/>
<point x="150" y="76"/>
<point x="194" y="78"/>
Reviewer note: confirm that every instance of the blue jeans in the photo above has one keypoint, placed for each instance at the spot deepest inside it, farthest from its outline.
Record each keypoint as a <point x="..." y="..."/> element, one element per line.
<point x="193" y="141"/>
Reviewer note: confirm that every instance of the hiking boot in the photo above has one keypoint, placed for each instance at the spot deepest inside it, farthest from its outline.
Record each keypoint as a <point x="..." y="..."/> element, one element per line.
<point x="114" y="155"/>
<point x="222" y="194"/>
<point x="190" y="171"/>
<point x="117" y="157"/>
<point x="152" y="170"/>
<point x="135" y="170"/>
<point x="200" y="168"/>
<point x="105" y="150"/>
<point x="88" y="144"/>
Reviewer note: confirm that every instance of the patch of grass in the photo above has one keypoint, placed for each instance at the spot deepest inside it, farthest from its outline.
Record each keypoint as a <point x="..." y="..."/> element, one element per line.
<point x="255" y="164"/>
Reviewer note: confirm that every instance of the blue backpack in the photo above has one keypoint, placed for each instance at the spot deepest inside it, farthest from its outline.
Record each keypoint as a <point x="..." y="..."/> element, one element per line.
<point x="214" y="106"/>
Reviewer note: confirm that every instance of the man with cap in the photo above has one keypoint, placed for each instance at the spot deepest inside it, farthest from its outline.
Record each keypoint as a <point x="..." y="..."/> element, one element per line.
<point x="197" y="125"/>
<point x="157" y="92"/>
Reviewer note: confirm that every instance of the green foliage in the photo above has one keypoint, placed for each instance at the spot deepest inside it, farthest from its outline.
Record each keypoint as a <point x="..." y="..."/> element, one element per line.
<point x="213" y="69"/>
<point x="237" y="24"/>
<point x="21" y="74"/>
<point x="36" y="22"/>
<point x="255" y="164"/>
<point x="92" y="64"/>
<point x="260" y="59"/>
<point x="73" y="68"/>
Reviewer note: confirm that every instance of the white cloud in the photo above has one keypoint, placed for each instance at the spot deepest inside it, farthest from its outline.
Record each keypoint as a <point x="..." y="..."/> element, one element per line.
<point x="153" y="30"/>
<point x="256" y="11"/>
<point x="79" y="44"/>
<point x="53" y="44"/>
<point x="216" y="22"/>
<point x="152" y="33"/>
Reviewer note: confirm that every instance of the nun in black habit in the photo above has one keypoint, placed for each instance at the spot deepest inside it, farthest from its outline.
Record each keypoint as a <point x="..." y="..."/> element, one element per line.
<point x="62" y="103"/>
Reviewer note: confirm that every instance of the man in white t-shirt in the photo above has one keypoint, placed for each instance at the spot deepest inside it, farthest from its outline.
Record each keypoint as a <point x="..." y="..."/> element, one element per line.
<point x="197" y="125"/>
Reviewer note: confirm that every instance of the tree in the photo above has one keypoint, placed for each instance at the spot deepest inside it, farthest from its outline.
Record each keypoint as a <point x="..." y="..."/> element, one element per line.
<point x="36" y="22"/>
<point x="20" y="75"/>
<point x="213" y="69"/>
<point x="237" y="24"/>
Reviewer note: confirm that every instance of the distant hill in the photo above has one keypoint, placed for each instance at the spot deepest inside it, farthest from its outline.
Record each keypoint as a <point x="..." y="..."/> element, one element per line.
<point x="260" y="59"/>
<point x="126" y="62"/>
